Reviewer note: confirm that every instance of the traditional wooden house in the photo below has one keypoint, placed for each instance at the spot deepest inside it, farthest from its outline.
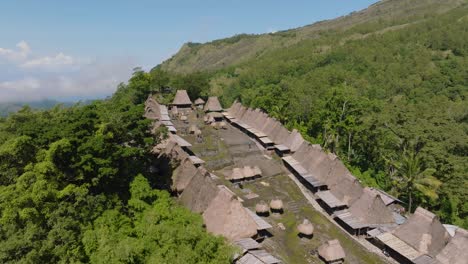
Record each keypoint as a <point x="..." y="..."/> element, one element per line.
<point x="422" y="234"/>
<point x="182" y="101"/>
<point x="226" y="216"/>
<point x="213" y="105"/>
<point x="306" y="229"/>
<point x="332" y="252"/>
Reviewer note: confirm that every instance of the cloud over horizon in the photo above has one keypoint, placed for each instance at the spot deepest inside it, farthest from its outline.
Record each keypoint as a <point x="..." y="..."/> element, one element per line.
<point x="30" y="77"/>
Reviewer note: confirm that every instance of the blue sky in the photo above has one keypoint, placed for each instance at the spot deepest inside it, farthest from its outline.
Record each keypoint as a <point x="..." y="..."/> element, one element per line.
<point x="59" y="49"/>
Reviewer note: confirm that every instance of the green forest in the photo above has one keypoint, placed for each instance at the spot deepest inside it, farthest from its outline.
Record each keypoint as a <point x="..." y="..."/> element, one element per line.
<point x="389" y="97"/>
<point x="77" y="187"/>
<point x="391" y="104"/>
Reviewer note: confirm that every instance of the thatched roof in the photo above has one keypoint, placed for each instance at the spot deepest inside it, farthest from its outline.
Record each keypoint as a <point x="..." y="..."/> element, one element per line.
<point x="248" y="172"/>
<point x="198" y="132"/>
<point x="213" y="105"/>
<point x="262" y="207"/>
<point x="424" y="232"/>
<point x="306" y="228"/>
<point x="236" y="174"/>
<point x="331" y="251"/>
<point x="199" y="193"/>
<point x="199" y="101"/>
<point x="371" y="209"/>
<point x="257" y="170"/>
<point x="227" y="217"/>
<point x="183" y="175"/>
<point x="181" y="98"/>
<point x="456" y="251"/>
<point x="276" y="204"/>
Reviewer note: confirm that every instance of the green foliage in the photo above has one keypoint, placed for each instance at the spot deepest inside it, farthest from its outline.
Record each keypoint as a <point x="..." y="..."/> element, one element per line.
<point x="68" y="175"/>
<point x="153" y="230"/>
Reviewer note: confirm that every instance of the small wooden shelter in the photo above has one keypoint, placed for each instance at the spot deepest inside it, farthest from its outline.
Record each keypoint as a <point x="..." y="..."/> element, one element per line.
<point x="262" y="208"/>
<point x="332" y="252"/>
<point x="276" y="206"/>
<point x="306" y="229"/>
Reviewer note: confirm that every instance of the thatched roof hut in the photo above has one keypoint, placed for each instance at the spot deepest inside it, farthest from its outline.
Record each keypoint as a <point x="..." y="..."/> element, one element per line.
<point x="370" y="209"/>
<point x="182" y="99"/>
<point x="199" y="193"/>
<point x="199" y="101"/>
<point x="213" y="105"/>
<point x="456" y="251"/>
<point x="276" y="204"/>
<point x="424" y="232"/>
<point x="227" y="217"/>
<point x="198" y="132"/>
<point x="236" y="175"/>
<point x="183" y="175"/>
<point x="262" y="208"/>
<point x="332" y="252"/>
<point x="306" y="228"/>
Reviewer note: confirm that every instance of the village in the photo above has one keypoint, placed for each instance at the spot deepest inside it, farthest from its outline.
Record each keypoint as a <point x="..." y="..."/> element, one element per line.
<point x="280" y="199"/>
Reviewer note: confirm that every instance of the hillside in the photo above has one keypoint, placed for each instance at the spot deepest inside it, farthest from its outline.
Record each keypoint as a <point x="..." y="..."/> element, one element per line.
<point x="390" y="99"/>
<point x="230" y="51"/>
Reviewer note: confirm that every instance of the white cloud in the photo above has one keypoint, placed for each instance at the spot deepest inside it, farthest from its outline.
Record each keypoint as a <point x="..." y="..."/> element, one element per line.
<point x="16" y="55"/>
<point x="58" y="76"/>
<point x="55" y="61"/>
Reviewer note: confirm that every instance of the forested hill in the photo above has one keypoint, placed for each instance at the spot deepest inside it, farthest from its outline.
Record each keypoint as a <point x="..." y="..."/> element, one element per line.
<point x="240" y="48"/>
<point x="388" y="96"/>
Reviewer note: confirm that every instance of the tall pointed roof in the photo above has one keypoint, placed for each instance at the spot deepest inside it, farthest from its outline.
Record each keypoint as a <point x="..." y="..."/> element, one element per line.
<point x="226" y="216"/>
<point x="371" y="209"/>
<point x="424" y="232"/>
<point x="456" y="251"/>
<point x="181" y="98"/>
<point x="213" y="105"/>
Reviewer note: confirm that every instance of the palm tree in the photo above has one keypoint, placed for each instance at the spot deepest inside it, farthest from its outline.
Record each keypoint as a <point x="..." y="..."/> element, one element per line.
<point x="414" y="179"/>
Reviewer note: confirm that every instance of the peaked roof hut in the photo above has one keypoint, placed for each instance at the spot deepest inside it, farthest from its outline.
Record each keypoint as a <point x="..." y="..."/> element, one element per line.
<point x="227" y="217"/>
<point x="199" y="193"/>
<point x="456" y="251"/>
<point x="213" y="105"/>
<point x="332" y="252"/>
<point x="181" y="99"/>
<point x="424" y="232"/>
<point x="199" y="101"/>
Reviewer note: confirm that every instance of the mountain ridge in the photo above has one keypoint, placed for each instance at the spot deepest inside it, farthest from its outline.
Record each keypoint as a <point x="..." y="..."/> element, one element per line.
<point x="233" y="50"/>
